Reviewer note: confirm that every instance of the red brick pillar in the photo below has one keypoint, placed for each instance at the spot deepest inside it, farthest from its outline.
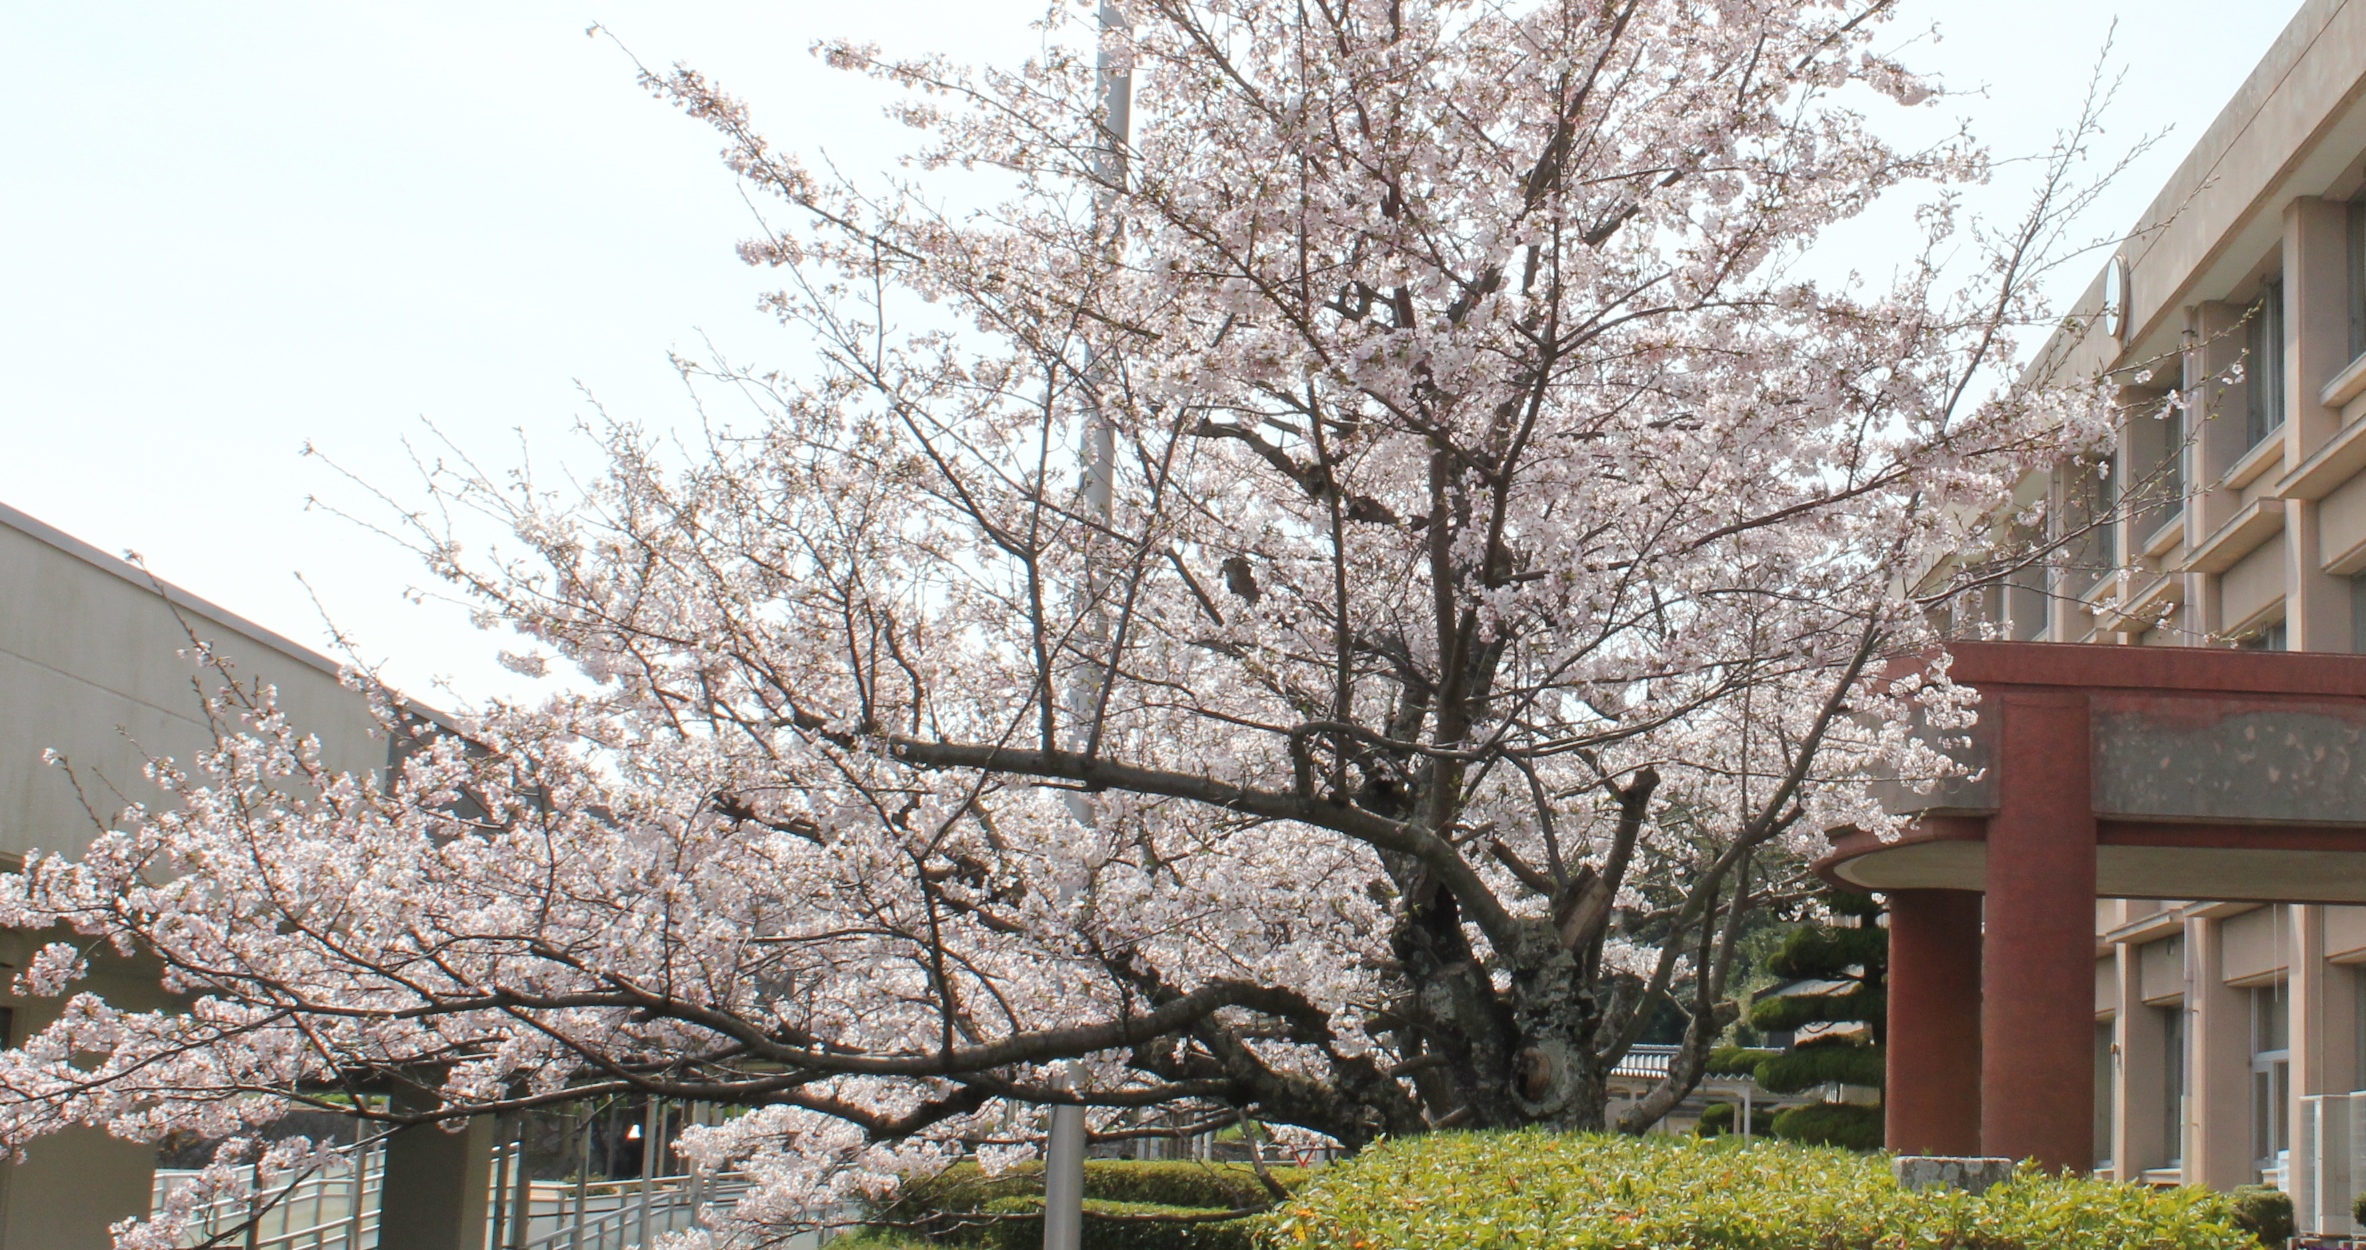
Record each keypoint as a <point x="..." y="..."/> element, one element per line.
<point x="1931" y="1101"/>
<point x="2037" y="1009"/>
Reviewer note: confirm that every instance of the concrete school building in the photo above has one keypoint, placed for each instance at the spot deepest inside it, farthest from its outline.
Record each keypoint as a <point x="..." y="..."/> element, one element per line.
<point x="91" y="666"/>
<point x="2136" y="944"/>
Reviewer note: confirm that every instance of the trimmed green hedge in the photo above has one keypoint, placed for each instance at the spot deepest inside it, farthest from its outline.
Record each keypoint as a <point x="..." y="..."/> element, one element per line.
<point x="879" y="1239"/>
<point x="1534" y="1190"/>
<point x="1128" y="1205"/>
<point x="1112" y="1226"/>
<point x="1178" y="1183"/>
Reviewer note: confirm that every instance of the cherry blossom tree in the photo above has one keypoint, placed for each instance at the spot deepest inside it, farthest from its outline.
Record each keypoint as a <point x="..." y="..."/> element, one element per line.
<point x="1333" y="608"/>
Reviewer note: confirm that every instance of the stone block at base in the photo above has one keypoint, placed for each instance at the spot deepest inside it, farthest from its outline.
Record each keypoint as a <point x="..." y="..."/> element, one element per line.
<point x="1973" y="1176"/>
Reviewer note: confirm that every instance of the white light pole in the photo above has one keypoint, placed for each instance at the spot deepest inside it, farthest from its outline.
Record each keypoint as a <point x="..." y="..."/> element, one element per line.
<point x="1063" y="1173"/>
<point x="1063" y="1165"/>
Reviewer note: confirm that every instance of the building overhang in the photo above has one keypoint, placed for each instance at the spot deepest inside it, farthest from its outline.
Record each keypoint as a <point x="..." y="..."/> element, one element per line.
<point x="2215" y="775"/>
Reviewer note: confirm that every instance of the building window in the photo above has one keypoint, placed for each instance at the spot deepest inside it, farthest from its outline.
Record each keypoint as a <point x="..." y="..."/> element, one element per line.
<point x="2271" y="1076"/>
<point x="2357" y="258"/>
<point x="2358" y="619"/>
<point x="2268" y="638"/>
<point x="2104" y="1084"/>
<point x="2172" y="1024"/>
<point x="2358" y="1035"/>
<point x="2093" y="494"/>
<point x="2263" y="366"/>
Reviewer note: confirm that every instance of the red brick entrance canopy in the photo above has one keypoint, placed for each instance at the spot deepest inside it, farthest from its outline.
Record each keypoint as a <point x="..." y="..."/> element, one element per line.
<point x="2213" y="774"/>
<point x="2137" y="772"/>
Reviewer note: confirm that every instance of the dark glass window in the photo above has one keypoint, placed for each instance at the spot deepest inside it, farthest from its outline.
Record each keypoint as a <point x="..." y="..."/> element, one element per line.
<point x="2271" y="1074"/>
<point x="2106" y="1069"/>
<point x="2263" y="366"/>
<point x="2358" y="634"/>
<point x="2357" y="223"/>
<point x="2172" y="1021"/>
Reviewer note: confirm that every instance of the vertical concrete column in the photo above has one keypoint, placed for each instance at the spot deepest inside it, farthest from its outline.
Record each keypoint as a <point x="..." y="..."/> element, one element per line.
<point x="2316" y="603"/>
<point x="436" y="1188"/>
<point x="2037" y="1007"/>
<point x="2218" y="1041"/>
<point x="2316" y="319"/>
<point x="2138" y="1139"/>
<point x="2316" y="347"/>
<point x="1931" y="1100"/>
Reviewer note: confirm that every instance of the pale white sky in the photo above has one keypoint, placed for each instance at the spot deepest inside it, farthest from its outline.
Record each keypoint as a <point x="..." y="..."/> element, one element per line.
<point x="229" y="228"/>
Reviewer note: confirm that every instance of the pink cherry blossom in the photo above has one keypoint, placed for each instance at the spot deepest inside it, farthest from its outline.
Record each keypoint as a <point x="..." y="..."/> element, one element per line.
<point x="1504" y="554"/>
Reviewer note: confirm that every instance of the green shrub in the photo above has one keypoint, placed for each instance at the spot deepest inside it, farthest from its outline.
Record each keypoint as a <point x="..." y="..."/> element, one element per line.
<point x="1181" y="1183"/>
<point x="1716" y="1118"/>
<point x="880" y="1239"/>
<point x="1113" y="1226"/>
<point x="2264" y="1211"/>
<point x="1124" y="1200"/>
<point x="1842" y="1124"/>
<point x="1534" y="1190"/>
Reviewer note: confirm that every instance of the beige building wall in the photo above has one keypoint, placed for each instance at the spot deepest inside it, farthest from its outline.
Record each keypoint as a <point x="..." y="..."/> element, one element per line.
<point x="2224" y="1025"/>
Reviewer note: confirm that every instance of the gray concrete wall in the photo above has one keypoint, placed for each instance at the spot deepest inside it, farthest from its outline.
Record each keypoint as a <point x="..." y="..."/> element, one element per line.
<point x="91" y="665"/>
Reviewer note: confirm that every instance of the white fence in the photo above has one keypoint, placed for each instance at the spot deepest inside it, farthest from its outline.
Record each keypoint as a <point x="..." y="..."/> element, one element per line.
<point x="337" y="1208"/>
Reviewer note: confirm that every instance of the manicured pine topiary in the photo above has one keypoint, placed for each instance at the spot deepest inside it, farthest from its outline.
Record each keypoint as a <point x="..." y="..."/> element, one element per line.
<point x="1852" y="950"/>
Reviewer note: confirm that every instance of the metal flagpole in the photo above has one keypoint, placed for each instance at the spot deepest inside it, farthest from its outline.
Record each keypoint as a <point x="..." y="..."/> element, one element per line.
<point x="1063" y="1174"/>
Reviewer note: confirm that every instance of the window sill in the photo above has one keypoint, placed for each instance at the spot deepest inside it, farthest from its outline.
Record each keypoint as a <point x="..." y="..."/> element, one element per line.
<point x="2340" y="459"/>
<point x="2268" y="451"/>
<point x="2259" y="521"/>
<point x="2346" y="385"/>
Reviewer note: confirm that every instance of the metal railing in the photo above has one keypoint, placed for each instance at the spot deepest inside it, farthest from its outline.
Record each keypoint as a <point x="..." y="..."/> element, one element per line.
<point x="337" y="1208"/>
<point x="618" y="1215"/>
